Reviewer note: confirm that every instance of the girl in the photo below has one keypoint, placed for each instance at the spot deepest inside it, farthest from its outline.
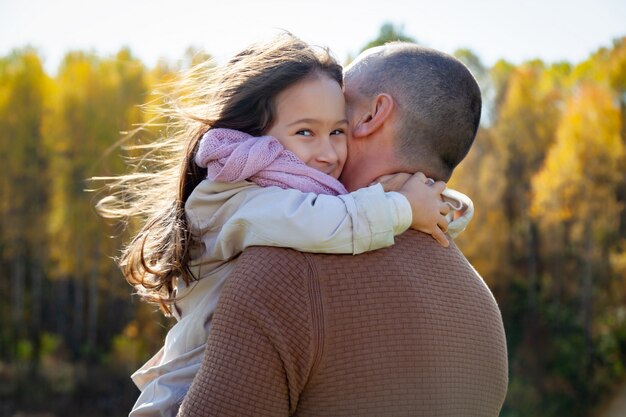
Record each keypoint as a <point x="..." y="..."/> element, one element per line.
<point x="234" y="190"/>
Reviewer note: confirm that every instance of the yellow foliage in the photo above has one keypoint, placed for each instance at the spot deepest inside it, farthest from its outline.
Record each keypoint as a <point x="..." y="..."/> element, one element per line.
<point x="584" y="166"/>
<point x="618" y="261"/>
<point x="485" y="240"/>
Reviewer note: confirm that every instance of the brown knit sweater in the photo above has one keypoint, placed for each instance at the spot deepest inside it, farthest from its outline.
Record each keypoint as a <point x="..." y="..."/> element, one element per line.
<point x="411" y="330"/>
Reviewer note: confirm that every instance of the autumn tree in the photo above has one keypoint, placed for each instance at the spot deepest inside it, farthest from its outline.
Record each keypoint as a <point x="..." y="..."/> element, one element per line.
<point x="96" y="101"/>
<point x="24" y="194"/>
<point x="576" y="191"/>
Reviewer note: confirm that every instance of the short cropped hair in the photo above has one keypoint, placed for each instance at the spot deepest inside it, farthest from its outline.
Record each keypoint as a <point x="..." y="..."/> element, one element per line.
<point x="438" y="102"/>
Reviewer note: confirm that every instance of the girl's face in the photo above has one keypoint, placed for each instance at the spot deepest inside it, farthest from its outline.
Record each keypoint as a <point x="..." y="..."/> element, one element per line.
<point x="311" y="122"/>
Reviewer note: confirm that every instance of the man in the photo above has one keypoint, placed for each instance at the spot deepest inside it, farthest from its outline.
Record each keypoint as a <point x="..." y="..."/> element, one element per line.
<point x="410" y="330"/>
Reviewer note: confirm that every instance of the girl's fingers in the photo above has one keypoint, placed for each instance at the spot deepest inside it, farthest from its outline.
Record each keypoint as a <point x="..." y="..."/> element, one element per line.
<point x="393" y="182"/>
<point x="439" y="186"/>
<point x="443" y="224"/>
<point x="421" y="177"/>
<point x="441" y="238"/>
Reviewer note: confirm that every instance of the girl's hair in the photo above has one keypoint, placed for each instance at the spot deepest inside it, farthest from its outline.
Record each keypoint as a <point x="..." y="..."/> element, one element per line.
<point x="239" y="95"/>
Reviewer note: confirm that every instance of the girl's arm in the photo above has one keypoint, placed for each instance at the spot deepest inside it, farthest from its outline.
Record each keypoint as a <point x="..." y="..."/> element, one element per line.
<point x="231" y="217"/>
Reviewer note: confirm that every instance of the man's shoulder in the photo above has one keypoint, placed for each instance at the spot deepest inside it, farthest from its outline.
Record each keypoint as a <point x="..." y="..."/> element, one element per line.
<point x="267" y="271"/>
<point x="412" y="246"/>
<point x="263" y="259"/>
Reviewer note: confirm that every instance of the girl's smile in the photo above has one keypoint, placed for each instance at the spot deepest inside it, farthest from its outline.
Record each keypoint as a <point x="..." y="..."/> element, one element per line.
<point x="311" y="122"/>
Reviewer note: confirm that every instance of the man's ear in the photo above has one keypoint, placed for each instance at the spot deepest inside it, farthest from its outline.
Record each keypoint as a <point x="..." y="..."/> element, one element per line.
<point x="380" y="110"/>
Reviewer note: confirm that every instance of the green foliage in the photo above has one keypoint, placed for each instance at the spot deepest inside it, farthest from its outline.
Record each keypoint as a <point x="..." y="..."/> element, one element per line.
<point x="389" y="33"/>
<point x="24" y="350"/>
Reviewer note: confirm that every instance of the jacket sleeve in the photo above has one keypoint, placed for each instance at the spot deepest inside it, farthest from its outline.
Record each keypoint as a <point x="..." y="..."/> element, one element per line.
<point x="260" y="348"/>
<point x="361" y="221"/>
<point x="462" y="211"/>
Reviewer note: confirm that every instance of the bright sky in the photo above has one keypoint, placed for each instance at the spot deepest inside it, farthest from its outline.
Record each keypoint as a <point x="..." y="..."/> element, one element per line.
<point x="515" y="30"/>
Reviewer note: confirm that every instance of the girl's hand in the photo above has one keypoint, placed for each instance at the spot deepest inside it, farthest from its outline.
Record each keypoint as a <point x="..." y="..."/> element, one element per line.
<point x="429" y="209"/>
<point x="393" y="182"/>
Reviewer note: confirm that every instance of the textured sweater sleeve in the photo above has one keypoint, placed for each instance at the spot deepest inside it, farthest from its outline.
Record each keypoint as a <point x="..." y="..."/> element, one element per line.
<point x="262" y="345"/>
<point x="361" y="221"/>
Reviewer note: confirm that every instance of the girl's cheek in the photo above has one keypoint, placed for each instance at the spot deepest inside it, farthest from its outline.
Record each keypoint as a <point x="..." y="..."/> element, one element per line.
<point x="343" y="150"/>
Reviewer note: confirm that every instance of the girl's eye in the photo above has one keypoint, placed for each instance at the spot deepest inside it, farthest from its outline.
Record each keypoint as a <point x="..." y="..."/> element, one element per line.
<point x="304" y="132"/>
<point x="337" y="132"/>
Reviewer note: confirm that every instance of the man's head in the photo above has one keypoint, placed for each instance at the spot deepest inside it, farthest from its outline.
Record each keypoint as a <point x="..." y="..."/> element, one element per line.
<point x="411" y="109"/>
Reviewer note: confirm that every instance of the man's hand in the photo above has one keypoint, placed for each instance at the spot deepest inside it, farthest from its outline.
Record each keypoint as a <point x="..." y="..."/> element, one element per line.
<point x="429" y="209"/>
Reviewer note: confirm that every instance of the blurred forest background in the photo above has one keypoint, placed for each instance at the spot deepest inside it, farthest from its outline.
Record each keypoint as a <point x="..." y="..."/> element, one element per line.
<point x="547" y="174"/>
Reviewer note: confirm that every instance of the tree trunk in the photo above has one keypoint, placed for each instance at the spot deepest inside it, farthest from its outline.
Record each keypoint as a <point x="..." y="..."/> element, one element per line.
<point x="36" y="308"/>
<point x="61" y="302"/>
<point x="560" y="264"/>
<point x="18" y="273"/>
<point x="77" y="315"/>
<point x="587" y="296"/>
<point x="78" y="307"/>
<point x="92" y="317"/>
<point x="533" y="264"/>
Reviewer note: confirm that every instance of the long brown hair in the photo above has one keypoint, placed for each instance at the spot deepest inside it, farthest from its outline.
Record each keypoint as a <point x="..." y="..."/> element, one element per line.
<point x="238" y="95"/>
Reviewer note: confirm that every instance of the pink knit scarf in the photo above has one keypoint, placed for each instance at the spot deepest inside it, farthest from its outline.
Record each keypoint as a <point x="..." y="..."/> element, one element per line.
<point x="233" y="156"/>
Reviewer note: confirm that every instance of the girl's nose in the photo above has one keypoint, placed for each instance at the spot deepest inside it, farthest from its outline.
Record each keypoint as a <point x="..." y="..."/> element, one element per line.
<point x="328" y="153"/>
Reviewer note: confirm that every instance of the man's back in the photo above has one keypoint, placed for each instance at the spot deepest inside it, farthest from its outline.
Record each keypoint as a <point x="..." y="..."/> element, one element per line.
<point x="410" y="330"/>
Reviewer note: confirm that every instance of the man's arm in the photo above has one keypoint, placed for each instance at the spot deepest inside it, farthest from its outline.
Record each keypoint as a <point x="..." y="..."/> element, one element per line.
<point x="259" y="349"/>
